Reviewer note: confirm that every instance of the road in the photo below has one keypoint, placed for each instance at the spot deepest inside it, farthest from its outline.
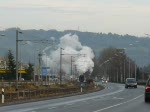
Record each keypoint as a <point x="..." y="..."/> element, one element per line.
<point x="114" y="98"/>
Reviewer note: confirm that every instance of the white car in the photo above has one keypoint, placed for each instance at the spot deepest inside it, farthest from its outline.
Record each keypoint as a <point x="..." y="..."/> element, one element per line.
<point x="104" y="81"/>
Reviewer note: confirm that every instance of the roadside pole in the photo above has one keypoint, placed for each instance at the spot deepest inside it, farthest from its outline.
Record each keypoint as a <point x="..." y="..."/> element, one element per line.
<point x="81" y="89"/>
<point x="81" y="79"/>
<point x="3" y="95"/>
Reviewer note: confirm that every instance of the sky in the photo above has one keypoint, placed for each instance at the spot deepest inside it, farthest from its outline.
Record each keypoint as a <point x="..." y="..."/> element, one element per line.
<point x="116" y="16"/>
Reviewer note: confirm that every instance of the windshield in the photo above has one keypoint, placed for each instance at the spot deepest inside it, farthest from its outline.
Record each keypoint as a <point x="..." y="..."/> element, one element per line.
<point x="131" y="81"/>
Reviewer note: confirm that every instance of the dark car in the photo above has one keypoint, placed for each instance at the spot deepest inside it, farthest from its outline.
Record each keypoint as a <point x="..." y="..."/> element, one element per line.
<point x="147" y="91"/>
<point x="131" y="82"/>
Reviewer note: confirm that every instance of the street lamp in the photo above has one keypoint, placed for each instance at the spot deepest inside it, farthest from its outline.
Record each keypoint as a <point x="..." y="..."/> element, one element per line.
<point x="103" y="64"/>
<point x="135" y="66"/>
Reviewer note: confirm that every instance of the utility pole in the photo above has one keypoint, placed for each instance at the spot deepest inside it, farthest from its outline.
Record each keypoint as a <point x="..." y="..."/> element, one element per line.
<point x="60" y="64"/>
<point x="71" y="64"/>
<point x="17" y="60"/>
<point x="129" y="68"/>
<point x="135" y="72"/>
<point x="124" y="70"/>
<point x="17" y="33"/>
<point x="39" y="66"/>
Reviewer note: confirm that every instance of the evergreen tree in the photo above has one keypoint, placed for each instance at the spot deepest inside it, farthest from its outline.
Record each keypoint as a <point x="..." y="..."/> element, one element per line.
<point x="11" y="75"/>
<point x="29" y="71"/>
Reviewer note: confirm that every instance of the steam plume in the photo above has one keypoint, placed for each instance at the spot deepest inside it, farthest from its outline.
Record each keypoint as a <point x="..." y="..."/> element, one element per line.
<point x="81" y="56"/>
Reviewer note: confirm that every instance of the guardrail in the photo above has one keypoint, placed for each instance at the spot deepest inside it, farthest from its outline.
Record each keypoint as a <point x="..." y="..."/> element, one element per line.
<point x="35" y="94"/>
<point x="13" y="83"/>
<point x="27" y="95"/>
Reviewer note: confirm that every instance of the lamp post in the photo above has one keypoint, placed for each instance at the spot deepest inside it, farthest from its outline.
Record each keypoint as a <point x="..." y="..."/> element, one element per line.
<point x="135" y="66"/>
<point x="103" y="64"/>
<point x="122" y="69"/>
<point x="17" y="33"/>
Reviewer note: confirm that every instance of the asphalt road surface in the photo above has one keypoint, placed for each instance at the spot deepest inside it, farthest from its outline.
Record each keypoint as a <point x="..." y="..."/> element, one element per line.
<point x="114" y="98"/>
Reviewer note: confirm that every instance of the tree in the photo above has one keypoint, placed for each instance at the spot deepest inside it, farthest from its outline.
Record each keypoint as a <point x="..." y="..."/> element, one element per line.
<point x="114" y="64"/>
<point x="11" y="65"/>
<point x="95" y="72"/>
<point x="30" y="72"/>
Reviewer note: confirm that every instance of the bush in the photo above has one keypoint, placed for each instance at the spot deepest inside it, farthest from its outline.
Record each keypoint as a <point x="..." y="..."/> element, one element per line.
<point x="89" y="81"/>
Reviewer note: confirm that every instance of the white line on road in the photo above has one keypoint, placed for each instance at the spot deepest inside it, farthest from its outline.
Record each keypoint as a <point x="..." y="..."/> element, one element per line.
<point x="118" y="98"/>
<point x="51" y="108"/>
<point x="118" y="104"/>
<point x="69" y="104"/>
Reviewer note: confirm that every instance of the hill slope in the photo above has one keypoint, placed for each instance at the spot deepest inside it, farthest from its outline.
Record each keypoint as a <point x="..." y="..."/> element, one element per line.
<point x="136" y="48"/>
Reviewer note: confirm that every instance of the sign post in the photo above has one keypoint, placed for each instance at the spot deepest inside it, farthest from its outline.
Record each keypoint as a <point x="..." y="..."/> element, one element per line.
<point x="45" y="71"/>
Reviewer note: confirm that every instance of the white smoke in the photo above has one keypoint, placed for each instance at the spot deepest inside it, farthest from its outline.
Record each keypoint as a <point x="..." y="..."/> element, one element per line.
<point x="71" y="47"/>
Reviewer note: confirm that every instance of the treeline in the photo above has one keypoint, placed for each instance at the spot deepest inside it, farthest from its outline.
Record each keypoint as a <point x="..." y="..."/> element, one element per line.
<point x="113" y="64"/>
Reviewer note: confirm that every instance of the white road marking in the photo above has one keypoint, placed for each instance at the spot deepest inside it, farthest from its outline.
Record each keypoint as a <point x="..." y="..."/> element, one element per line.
<point x="118" y="98"/>
<point x="84" y="101"/>
<point x="118" y="104"/>
<point x="68" y="104"/>
<point x="97" y="99"/>
<point x="51" y="108"/>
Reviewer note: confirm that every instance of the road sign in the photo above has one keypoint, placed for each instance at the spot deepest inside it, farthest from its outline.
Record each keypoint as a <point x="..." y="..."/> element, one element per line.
<point x="45" y="70"/>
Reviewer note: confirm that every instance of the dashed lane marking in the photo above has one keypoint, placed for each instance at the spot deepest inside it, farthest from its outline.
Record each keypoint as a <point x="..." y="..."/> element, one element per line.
<point x="51" y="108"/>
<point x="118" y="104"/>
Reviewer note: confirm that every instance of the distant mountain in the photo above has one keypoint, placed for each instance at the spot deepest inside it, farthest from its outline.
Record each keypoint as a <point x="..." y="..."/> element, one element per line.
<point x="136" y="48"/>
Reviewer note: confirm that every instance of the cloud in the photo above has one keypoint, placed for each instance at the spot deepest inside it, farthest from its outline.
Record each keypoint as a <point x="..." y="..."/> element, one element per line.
<point x="91" y="15"/>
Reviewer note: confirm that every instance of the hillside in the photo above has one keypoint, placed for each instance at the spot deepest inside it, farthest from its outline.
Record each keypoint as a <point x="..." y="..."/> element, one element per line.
<point x="135" y="47"/>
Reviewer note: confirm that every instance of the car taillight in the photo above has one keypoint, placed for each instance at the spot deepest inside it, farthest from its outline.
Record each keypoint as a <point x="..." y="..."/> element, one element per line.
<point x="147" y="88"/>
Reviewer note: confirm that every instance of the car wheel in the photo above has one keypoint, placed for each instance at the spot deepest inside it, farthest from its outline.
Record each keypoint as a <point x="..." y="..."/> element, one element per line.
<point x="135" y="87"/>
<point x="126" y="86"/>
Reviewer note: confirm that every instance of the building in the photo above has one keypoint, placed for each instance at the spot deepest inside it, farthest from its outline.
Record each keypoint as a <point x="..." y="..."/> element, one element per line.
<point x="4" y="67"/>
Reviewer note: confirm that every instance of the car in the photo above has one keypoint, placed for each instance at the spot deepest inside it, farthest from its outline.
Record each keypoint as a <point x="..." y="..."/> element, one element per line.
<point x="147" y="91"/>
<point x="104" y="81"/>
<point x="131" y="82"/>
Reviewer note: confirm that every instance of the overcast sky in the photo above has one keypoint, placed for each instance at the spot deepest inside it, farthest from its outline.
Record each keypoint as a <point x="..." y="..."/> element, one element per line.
<point x="116" y="16"/>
